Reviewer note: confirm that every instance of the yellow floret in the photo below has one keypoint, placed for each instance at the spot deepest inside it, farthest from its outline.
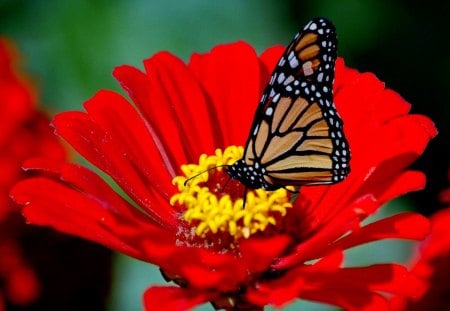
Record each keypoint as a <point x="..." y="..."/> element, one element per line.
<point x="211" y="214"/>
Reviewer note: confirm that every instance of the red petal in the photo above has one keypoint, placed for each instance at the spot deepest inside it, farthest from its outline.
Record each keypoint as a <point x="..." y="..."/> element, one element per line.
<point x="43" y="200"/>
<point x="407" y="225"/>
<point x="84" y="205"/>
<point x="172" y="298"/>
<point x="270" y="57"/>
<point x="387" y="278"/>
<point x="179" y="102"/>
<point x="230" y="75"/>
<point x="287" y="287"/>
<point x="112" y="112"/>
<point x="351" y="288"/>
<point x="258" y="256"/>
<point x="397" y="186"/>
<point x="364" y="95"/>
<point x="136" y="83"/>
<point x="107" y="153"/>
<point x="207" y="270"/>
<point x="322" y="241"/>
<point x="202" y="268"/>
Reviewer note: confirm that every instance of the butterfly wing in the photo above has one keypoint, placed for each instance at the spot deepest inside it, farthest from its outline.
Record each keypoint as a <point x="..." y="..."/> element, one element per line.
<point x="297" y="136"/>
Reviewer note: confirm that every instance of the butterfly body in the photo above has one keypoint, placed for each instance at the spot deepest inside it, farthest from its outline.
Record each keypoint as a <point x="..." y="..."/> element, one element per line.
<point x="297" y="135"/>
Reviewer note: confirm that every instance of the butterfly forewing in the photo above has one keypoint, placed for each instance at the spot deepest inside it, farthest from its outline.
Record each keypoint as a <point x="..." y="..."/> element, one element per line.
<point x="297" y="136"/>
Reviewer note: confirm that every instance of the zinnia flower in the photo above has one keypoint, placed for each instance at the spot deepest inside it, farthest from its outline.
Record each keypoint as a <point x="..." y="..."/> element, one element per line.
<point x="188" y="118"/>
<point x="431" y="264"/>
<point x="24" y="133"/>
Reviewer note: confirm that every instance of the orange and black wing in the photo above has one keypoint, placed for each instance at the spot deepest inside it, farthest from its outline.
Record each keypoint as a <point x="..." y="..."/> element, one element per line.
<point x="297" y="135"/>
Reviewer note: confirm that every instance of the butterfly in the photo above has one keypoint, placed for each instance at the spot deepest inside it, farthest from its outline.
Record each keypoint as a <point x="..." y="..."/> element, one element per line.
<point x="297" y="135"/>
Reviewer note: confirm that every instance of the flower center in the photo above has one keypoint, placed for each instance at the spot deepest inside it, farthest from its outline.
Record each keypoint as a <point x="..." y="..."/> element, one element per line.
<point x="214" y="203"/>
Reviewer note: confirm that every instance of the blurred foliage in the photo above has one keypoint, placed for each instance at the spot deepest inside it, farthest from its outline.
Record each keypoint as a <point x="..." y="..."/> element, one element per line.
<point x="71" y="48"/>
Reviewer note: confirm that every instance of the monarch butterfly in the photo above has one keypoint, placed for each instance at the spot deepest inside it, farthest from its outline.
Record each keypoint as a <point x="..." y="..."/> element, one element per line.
<point x="297" y="136"/>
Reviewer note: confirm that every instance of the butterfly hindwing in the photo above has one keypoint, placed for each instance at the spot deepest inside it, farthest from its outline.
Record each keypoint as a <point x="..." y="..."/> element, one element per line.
<point x="297" y="136"/>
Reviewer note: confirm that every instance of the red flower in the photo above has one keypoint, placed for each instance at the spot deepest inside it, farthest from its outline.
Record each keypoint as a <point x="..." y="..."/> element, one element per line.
<point x="24" y="133"/>
<point x="254" y="257"/>
<point x="432" y="265"/>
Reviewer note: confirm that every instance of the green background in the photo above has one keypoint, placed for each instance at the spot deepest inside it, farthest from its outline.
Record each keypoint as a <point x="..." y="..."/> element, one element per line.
<point x="71" y="48"/>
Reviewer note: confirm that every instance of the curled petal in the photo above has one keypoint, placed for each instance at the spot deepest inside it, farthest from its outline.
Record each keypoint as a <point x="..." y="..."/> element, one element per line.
<point x="411" y="226"/>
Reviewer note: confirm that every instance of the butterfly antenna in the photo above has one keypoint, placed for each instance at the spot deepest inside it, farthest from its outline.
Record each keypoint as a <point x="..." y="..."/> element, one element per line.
<point x="202" y="172"/>
<point x="245" y="197"/>
<point x="226" y="183"/>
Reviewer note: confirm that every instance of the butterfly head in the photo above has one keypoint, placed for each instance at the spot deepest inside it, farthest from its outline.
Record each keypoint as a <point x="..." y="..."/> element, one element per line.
<point x="252" y="176"/>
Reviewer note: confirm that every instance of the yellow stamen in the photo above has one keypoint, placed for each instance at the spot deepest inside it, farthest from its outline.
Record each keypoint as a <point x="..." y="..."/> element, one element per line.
<point x="213" y="212"/>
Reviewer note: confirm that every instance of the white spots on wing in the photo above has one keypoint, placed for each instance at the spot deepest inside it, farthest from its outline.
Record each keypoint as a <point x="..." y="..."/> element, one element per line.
<point x="282" y="61"/>
<point x="289" y="88"/>
<point x="307" y="26"/>
<point x="293" y="62"/>
<point x="272" y="79"/>
<point x="291" y="55"/>
<point x="281" y="78"/>
<point x="313" y="26"/>
<point x="276" y="98"/>
<point x="269" y="111"/>
<point x="255" y="131"/>
<point x="263" y="99"/>
<point x="289" y="80"/>
<point x="320" y="77"/>
<point x="325" y="89"/>
<point x="272" y="93"/>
